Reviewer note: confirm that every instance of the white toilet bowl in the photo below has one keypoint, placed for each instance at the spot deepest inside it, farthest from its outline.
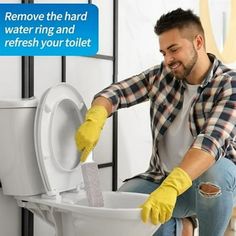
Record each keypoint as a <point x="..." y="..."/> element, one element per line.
<point x="71" y="215"/>
<point x="40" y="167"/>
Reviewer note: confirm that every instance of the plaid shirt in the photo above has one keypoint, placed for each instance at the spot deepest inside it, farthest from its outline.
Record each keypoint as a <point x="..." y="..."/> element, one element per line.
<point x="212" y="118"/>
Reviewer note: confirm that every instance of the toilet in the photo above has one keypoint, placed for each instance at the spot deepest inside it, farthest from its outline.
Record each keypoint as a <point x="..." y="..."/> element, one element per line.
<point x="40" y="167"/>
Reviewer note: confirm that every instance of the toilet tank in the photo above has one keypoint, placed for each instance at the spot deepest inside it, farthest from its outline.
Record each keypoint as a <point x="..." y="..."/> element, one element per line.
<point x="19" y="173"/>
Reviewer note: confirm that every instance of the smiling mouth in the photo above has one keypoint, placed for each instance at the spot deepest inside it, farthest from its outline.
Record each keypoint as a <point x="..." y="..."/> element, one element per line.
<point x="174" y="66"/>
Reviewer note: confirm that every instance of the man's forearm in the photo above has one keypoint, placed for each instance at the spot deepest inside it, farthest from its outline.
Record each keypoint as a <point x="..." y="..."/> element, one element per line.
<point x="196" y="162"/>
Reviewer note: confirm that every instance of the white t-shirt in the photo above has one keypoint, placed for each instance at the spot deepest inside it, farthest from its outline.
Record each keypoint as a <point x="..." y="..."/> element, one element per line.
<point x="178" y="138"/>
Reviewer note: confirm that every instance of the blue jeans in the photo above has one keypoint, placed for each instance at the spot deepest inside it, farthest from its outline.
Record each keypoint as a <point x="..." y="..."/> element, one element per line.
<point x="213" y="211"/>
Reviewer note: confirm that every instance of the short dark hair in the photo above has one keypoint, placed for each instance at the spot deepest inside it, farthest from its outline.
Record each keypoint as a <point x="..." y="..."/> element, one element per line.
<point x="180" y="19"/>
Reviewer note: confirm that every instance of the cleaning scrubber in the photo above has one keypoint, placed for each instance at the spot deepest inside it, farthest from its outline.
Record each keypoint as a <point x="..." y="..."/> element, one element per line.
<point x="92" y="183"/>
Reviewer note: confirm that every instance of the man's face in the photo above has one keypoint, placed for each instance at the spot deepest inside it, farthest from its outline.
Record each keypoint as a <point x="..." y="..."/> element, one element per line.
<point x="179" y="53"/>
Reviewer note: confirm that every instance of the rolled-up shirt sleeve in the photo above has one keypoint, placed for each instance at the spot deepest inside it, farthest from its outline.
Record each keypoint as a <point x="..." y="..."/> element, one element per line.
<point x="130" y="91"/>
<point x="219" y="130"/>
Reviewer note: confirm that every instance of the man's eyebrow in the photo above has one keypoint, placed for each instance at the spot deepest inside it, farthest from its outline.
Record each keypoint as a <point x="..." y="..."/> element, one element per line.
<point x="172" y="45"/>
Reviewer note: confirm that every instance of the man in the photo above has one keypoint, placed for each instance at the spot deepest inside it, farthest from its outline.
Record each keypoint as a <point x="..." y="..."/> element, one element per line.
<point x="193" y="120"/>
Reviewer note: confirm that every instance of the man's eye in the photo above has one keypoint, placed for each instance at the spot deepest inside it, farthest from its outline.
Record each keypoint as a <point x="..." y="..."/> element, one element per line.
<point x="173" y="49"/>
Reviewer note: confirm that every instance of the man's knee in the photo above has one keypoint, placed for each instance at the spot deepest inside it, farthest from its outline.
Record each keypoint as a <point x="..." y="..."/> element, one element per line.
<point x="207" y="189"/>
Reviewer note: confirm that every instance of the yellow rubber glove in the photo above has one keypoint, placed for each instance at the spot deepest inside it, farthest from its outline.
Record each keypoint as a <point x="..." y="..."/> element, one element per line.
<point x="88" y="133"/>
<point x="161" y="202"/>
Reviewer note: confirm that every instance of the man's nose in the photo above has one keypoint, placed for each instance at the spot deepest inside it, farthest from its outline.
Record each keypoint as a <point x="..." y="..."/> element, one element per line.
<point x="169" y="59"/>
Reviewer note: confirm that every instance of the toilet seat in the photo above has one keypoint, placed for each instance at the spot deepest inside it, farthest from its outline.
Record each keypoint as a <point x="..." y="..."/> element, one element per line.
<point x="60" y="112"/>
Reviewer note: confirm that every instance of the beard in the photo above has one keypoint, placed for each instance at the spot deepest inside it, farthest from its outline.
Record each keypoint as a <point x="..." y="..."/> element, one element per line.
<point x="186" y="69"/>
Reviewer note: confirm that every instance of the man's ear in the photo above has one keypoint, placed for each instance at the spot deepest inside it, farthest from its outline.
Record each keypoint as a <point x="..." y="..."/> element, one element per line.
<point x="199" y="41"/>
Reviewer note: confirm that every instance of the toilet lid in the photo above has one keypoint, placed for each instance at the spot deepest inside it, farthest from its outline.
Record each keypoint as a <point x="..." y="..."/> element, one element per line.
<point x="60" y="112"/>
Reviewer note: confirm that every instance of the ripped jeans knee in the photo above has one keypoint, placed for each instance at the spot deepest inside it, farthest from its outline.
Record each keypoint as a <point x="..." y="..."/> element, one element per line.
<point x="209" y="190"/>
